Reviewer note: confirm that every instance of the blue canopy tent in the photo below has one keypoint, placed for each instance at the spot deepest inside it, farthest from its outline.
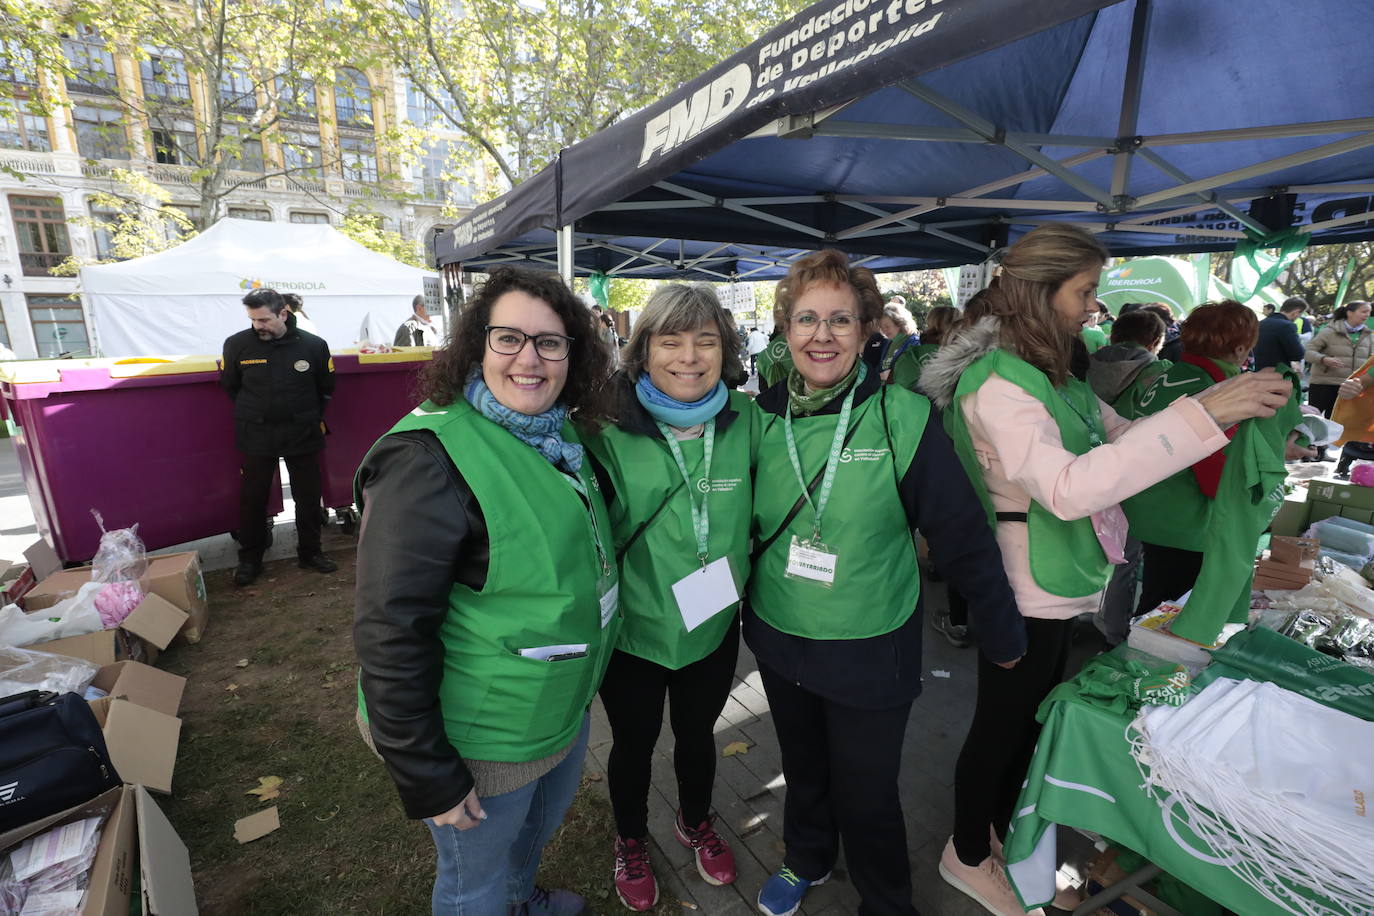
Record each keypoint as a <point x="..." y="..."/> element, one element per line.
<point x="929" y="133"/>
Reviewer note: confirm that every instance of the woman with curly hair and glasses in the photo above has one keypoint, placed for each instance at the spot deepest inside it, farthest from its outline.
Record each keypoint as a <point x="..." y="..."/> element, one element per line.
<point x="487" y="591"/>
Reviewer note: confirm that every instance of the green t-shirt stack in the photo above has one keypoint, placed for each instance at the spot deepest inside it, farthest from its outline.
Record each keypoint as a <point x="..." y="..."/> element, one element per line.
<point x="1248" y="496"/>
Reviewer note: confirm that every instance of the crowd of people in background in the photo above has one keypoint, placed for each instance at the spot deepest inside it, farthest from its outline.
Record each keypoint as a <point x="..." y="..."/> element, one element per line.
<point x="565" y="516"/>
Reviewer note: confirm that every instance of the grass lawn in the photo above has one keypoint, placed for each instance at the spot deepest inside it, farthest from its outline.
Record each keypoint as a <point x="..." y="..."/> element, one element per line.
<point x="271" y="692"/>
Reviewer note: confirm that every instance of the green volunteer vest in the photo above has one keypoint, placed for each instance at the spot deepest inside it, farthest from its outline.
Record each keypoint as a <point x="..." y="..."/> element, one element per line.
<point x="906" y="371"/>
<point x="645" y="475"/>
<point x="1173" y="512"/>
<point x="544" y="587"/>
<point x="876" y="581"/>
<point x="1065" y="557"/>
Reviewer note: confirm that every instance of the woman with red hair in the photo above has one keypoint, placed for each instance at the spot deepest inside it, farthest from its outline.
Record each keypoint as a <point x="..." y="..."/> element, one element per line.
<point x="1172" y="518"/>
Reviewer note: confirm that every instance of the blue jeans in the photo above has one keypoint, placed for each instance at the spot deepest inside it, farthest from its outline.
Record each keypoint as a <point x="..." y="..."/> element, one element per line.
<point x="485" y="870"/>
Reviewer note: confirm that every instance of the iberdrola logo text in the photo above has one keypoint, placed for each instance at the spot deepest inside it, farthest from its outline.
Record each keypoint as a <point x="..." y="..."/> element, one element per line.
<point x="287" y="285"/>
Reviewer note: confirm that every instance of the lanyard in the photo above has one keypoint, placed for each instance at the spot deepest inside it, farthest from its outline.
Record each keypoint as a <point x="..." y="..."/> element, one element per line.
<point x="833" y="462"/>
<point x="701" y="520"/>
<point x="576" y="483"/>
<point x="1094" y="438"/>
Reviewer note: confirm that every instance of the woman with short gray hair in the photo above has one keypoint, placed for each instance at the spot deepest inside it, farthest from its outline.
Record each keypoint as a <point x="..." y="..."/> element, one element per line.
<point x="675" y="471"/>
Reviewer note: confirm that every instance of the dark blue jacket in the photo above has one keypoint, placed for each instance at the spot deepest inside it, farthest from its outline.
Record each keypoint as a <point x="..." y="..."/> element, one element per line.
<point x="1278" y="342"/>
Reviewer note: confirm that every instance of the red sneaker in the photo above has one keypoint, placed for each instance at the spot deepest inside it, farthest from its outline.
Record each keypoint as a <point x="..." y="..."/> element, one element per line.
<point x="634" y="878"/>
<point x="715" y="861"/>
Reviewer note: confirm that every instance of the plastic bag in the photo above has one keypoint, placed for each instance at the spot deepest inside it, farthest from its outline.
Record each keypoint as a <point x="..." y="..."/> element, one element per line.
<point x="121" y="565"/>
<point x="1342" y="539"/>
<point x="25" y="669"/>
<point x="74" y="616"/>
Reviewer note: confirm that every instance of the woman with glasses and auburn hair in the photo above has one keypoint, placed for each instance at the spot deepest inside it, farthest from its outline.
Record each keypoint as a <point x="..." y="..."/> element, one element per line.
<point x="677" y="479"/>
<point x="1052" y="462"/>
<point x="834" y="611"/>
<point x="487" y="592"/>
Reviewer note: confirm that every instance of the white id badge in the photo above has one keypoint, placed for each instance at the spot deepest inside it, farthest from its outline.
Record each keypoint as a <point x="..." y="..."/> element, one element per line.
<point x="610" y="602"/>
<point x="812" y="560"/>
<point x="705" y="592"/>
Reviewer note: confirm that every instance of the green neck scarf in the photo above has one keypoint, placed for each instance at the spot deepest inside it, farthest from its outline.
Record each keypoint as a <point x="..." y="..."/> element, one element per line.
<point x="806" y="403"/>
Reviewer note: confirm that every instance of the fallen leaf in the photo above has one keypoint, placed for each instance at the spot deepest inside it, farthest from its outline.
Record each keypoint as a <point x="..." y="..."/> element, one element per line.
<point x="267" y="788"/>
<point x="594" y="777"/>
<point x="232" y="687"/>
<point x="241" y="663"/>
<point x="938" y="673"/>
<point x="255" y="826"/>
<point x="735" y="747"/>
<point x="329" y="817"/>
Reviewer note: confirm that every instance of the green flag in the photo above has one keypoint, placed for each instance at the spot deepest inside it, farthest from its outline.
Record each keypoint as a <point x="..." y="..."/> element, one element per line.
<point x="1253" y="268"/>
<point x="600" y="286"/>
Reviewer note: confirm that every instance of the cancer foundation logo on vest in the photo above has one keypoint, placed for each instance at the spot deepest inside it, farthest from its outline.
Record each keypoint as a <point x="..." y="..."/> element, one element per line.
<point x="289" y="286"/>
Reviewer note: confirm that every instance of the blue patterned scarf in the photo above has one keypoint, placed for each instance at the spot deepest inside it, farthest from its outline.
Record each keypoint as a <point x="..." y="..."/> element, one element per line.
<point x="679" y="413"/>
<point x="541" y="432"/>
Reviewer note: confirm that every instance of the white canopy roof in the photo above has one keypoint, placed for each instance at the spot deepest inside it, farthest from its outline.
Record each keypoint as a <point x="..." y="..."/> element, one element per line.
<point x="188" y="299"/>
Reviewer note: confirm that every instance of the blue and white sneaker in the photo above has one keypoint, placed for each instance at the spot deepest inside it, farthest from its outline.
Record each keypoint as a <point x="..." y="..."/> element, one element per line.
<point x="782" y="893"/>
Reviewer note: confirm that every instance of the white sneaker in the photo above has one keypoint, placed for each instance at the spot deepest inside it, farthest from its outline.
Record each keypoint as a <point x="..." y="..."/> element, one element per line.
<point x="986" y="883"/>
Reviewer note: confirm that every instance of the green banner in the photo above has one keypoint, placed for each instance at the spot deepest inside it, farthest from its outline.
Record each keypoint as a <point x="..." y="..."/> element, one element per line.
<point x="1253" y="268"/>
<point x="1344" y="286"/>
<point x="599" y="285"/>
<point x="1263" y="655"/>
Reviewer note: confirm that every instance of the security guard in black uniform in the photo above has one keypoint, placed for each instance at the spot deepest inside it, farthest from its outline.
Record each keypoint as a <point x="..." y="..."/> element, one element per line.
<point x="280" y="379"/>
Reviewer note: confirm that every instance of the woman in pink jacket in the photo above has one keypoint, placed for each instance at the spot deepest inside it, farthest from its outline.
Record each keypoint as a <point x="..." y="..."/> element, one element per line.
<point x="1052" y="463"/>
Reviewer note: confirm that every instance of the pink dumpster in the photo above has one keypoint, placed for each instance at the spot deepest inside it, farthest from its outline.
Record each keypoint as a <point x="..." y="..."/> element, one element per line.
<point x="371" y="392"/>
<point x="150" y="442"/>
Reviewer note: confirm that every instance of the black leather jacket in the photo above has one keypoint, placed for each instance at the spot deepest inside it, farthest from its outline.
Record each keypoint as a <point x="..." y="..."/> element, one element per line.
<point x="422" y="530"/>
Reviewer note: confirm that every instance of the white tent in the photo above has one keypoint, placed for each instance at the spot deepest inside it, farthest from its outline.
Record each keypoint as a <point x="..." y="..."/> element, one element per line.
<point x="188" y="299"/>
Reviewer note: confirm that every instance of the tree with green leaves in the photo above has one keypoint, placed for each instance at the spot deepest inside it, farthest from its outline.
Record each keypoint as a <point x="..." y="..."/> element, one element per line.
<point x="518" y="81"/>
<point x="1316" y="272"/>
<point x="137" y="217"/>
<point x="220" y="84"/>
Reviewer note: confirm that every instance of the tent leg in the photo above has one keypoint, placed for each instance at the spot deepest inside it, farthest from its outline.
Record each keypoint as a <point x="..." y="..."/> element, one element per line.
<point x="565" y="254"/>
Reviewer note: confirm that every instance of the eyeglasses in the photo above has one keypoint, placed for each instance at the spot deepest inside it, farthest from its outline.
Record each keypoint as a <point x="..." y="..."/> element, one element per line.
<point x="510" y="341"/>
<point x="841" y="325"/>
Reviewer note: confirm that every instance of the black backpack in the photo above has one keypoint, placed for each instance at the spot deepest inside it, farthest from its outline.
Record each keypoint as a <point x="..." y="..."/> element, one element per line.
<point x="52" y="756"/>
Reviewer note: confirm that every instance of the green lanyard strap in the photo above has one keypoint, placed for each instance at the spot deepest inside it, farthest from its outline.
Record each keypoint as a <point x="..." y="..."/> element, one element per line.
<point x="701" y="520"/>
<point x="581" y="488"/>
<point x="832" y="463"/>
<point x="1094" y="437"/>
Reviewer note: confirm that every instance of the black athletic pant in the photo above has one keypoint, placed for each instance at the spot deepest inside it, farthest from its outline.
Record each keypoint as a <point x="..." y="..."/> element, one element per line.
<point x="257" y="473"/>
<point x="1001" y="739"/>
<point x="633" y="692"/>
<point x="1323" y="397"/>
<point x="1168" y="573"/>
<point x="841" y="765"/>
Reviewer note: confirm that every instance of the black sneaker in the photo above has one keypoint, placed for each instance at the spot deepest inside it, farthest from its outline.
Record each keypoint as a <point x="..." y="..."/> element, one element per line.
<point x="956" y="635"/>
<point x="319" y="562"/>
<point x="246" y="574"/>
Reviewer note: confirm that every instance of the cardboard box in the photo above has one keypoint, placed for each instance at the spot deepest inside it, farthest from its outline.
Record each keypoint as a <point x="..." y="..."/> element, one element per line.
<point x="1341" y="492"/>
<point x="145" y="632"/>
<point x="143" y="685"/>
<point x="135" y="825"/>
<point x="1357" y="515"/>
<point x="142" y="742"/>
<point x="176" y="577"/>
<point x="1292" y="517"/>
<point x="1320" y="510"/>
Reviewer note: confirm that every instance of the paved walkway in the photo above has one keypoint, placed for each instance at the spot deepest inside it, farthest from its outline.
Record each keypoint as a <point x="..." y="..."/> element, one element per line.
<point x="749" y="790"/>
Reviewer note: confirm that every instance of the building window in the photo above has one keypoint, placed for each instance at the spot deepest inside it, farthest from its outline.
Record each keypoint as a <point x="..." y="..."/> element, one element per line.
<point x="249" y="156"/>
<point x="17" y="64"/>
<point x="93" y="68"/>
<point x="5" y="334"/>
<point x="359" y="158"/>
<point x="256" y="213"/>
<point x="100" y="133"/>
<point x="296" y="99"/>
<point x="41" y="229"/>
<point x="301" y="216"/>
<point x="24" y="128"/>
<point x="420" y="109"/>
<point x="164" y="77"/>
<point x="431" y="183"/>
<point x="190" y="211"/>
<point x="58" y="326"/>
<point x="353" y="98"/>
<point x="236" y="92"/>
<point x="301" y="149"/>
<point x="102" y="220"/>
<point x="174" y="143"/>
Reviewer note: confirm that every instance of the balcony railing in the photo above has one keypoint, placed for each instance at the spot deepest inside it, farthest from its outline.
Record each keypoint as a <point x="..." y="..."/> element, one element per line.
<point x="28" y="166"/>
<point x="171" y="174"/>
<point x="94" y="83"/>
<point x="39" y="263"/>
